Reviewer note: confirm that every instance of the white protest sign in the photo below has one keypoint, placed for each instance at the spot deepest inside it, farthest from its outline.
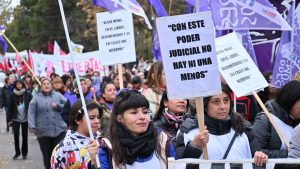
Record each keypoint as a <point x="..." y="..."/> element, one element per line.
<point x="116" y="37"/>
<point x="188" y="51"/>
<point x="44" y="64"/>
<point x="237" y="67"/>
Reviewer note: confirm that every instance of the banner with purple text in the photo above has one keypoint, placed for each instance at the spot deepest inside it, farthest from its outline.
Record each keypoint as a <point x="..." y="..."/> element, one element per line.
<point x="247" y="14"/>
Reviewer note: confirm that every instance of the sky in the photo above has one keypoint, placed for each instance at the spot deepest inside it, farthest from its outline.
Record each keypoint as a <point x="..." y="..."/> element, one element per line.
<point x="15" y="2"/>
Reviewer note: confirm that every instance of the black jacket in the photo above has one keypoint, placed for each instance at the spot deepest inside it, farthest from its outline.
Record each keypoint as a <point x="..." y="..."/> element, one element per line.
<point x="266" y="134"/>
<point x="5" y="94"/>
<point x="13" y="107"/>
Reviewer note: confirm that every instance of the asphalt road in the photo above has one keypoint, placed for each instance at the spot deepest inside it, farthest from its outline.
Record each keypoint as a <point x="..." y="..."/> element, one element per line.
<point x="7" y="150"/>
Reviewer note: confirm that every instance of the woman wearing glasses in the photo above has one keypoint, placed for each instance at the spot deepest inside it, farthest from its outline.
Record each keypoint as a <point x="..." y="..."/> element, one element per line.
<point x="72" y="151"/>
<point x="135" y="143"/>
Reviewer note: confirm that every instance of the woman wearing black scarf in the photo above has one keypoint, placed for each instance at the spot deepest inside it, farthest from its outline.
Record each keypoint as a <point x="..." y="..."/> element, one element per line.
<point x="222" y="127"/>
<point x="135" y="143"/>
<point x="17" y="116"/>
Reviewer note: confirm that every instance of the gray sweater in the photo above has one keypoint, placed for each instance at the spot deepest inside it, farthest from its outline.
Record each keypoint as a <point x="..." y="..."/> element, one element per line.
<point x="46" y="121"/>
<point x="294" y="150"/>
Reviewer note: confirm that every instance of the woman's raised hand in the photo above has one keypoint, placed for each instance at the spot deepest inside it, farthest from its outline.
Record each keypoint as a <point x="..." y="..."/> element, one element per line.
<point x="201" y="138"/>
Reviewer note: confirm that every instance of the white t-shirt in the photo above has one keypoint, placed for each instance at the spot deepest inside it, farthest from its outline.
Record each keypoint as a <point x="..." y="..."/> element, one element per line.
<point x="286" y="129"/>
<point x="218" y="145"/>
<point x="152" y="163"/>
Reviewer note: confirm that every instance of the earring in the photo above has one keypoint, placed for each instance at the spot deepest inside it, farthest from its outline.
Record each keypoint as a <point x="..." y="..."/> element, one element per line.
<point x="166" y="109"/>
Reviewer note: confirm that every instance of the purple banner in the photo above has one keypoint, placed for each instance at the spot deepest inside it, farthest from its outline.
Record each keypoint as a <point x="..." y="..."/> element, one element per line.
<point x="159" y="11"/>
<point x="247" y="43"/>
<point x="158" y="8"/>
<point x="251" y="14"/>
<point x="287" y="61"/>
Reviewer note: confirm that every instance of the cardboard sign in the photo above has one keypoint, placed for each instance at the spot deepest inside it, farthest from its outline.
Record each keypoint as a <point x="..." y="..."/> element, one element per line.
<point x="188" y="51"/>
<point x="237" y="67"/>
<point x="116" y="37"/>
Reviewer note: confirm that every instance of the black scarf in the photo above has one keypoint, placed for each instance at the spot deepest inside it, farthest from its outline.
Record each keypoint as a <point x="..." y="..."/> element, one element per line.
<point x="218" y="127"/>
<point x="142" y="146"/>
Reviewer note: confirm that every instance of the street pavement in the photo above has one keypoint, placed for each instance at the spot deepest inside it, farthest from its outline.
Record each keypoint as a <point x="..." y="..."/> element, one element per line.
<point x="7" y="150"/>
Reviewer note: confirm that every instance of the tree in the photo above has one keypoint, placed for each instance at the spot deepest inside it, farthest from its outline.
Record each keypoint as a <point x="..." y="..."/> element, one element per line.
<point x="142" y="34"/>
<point x="5" y="11"/>
<point x="38" y="21"/>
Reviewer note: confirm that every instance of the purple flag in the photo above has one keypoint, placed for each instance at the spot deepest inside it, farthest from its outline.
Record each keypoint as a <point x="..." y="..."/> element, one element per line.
<point x="2" y="41"/>
<point x="247" y="43"/>
<point x="129" y="5"/>
<point x="158" y="8"/>
<point x="247" y="14"/>
<point x="155" y="46"/>
<point x="285" y="57"/>
<point x="160" y="11"/>
<point x="204" y="4"/>
<point x="265" y="53"/>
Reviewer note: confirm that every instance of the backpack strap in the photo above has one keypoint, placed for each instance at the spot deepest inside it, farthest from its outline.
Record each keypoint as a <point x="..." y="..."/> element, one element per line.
<point x="230" y="145"/>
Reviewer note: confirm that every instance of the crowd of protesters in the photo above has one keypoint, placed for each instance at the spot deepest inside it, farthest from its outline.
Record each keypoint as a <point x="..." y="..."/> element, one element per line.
<point x="139" y="126"/>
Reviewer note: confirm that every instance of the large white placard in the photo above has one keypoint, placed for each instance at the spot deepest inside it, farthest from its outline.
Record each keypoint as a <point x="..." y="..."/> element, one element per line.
<point x="44" y="64"/>
<point x="116" y="37"/>
<point x="237" y="67"/>
<point x="188" y="51"/>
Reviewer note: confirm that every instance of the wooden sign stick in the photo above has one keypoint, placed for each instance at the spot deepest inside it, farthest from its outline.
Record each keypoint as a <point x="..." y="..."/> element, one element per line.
<point x="200" y="116"/>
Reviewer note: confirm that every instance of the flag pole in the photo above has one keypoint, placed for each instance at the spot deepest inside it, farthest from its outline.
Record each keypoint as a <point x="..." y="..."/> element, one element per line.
<point x="170" y="7"/>
<point x="200" y="106"/>
<point x="120" y="72"/>
<point x="293" y="9"/>
<point x="76" y="75"/>
<point x="26" y="64"/>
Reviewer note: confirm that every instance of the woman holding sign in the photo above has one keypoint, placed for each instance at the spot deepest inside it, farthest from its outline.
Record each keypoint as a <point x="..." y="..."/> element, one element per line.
<point x="286" y="113"/>
<point x="135" y="143"/>
<point x="227" y="135"/>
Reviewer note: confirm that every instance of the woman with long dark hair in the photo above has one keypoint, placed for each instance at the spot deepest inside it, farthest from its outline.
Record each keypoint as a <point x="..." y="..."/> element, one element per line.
<point x="72" y="152"/>
<point x="223" y="126"/>
<point x="285" y="110"/>
<point x="18" y="116"/>
<point x="135" y="143"/>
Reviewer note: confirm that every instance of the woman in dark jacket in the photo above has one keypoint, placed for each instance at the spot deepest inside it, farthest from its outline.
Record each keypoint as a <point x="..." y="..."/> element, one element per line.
<point x="17" y="115"/>
<point x="171" y="114"/>
<point x="285" y="112"/>
<point x="108" y="94"/>
<point x="222" y="125"/>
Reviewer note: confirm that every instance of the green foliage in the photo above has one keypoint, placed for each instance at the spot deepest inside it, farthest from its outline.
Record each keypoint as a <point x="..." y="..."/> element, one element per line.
<point x="38" y="21"/>
<point x="5" y="12"/>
